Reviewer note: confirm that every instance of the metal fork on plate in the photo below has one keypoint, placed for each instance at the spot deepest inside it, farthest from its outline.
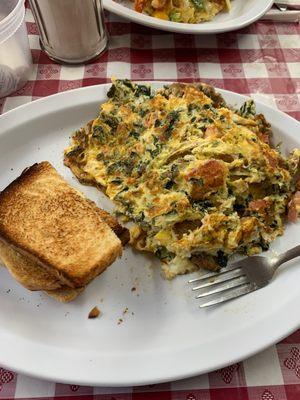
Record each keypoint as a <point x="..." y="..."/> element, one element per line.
<point x="240" y="278"/>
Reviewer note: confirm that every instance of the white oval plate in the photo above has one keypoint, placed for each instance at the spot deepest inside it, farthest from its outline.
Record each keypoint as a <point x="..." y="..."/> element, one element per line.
<point x="164" y="335"/>
<point x="243" y="13"/>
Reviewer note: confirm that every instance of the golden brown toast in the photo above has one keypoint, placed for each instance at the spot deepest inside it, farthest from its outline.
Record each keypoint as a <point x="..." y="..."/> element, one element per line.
<point x="34" y="277"/>
<point x="27" y="272"/>
<point x="112" y="222"/>
<point x="65" y="294"/>
<point x="49" y="222"/>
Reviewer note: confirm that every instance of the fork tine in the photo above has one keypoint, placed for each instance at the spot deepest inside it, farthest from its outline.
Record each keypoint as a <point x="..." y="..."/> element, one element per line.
<point x="205" y="276"/>
<point x="216" y="273"/>
<point x="224" y="286"/>
<point x="226" y="276"/>
<point x="231" y="294"/>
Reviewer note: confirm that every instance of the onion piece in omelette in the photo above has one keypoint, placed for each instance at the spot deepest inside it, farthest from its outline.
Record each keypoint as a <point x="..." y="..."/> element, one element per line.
<point x="199" y="180"/>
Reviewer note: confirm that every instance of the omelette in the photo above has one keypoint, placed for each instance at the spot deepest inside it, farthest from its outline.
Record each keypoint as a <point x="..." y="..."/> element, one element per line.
<point x="199" y="180"/>
<point x="188" y="11"/>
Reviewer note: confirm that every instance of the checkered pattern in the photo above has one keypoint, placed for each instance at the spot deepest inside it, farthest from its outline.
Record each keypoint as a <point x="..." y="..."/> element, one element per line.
<point x="262" y="60"/>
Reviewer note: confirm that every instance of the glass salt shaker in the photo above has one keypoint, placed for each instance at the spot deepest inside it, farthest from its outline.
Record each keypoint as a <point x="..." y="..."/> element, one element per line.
<point x="71" y="31"/>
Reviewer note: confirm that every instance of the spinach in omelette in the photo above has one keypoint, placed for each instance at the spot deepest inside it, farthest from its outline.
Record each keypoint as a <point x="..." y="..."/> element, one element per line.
<point x="199" y="180"/>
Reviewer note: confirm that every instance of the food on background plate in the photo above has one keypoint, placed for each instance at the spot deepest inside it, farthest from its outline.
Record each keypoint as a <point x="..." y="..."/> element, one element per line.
<point x="189" y="11"/>
<point x="51" y="237"/>
<point x="199" y="179"/>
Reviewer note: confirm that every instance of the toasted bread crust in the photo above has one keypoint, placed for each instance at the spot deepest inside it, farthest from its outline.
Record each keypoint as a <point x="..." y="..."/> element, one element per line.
<point x="120" y="231"/>
<point x="64" y="294"/>
<point x="27" y="272"/>
<point x="48" y="221"/>
<point x="34" y="277"/>
<point x="112" y="222"/>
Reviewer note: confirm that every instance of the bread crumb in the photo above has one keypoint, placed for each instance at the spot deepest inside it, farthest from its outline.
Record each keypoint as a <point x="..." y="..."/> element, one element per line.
<point x="125" y="311"/>
<point x="120" y="321"/>
<point x="94" y="313"/>
<point x="133" y="289"/>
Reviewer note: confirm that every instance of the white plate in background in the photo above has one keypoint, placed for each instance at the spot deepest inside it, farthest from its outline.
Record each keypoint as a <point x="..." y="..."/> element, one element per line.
<point x="243" y="13"/>
<point x="164" y="335"/>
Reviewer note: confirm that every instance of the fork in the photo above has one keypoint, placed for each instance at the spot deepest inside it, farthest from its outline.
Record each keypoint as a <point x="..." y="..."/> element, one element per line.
<point x="240" y="278"/>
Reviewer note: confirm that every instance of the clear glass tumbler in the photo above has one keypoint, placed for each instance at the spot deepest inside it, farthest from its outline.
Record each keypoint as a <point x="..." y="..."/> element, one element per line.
<point x="71" y="31"/>
<point x="15" y="55"/>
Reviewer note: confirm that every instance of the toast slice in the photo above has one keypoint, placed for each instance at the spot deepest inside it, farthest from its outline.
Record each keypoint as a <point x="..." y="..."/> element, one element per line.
<point x="54" y="226"/>
<point x="27" y="272"/>
<point x="112" y="222"/>
<point x="64" y="294"/>
<point x="33" y="276"/>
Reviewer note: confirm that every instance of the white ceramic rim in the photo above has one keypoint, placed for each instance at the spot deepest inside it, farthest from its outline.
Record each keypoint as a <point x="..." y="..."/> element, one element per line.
<point x="34" y="362"/>
<point x="202" y="28"/>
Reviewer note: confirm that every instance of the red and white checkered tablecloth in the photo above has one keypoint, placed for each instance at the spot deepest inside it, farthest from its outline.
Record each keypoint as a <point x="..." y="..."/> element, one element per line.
<point x="262" y="60"/>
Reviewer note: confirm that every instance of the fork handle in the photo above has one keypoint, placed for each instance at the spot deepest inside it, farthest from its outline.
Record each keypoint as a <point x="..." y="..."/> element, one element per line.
<point x="287" y="256"/>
